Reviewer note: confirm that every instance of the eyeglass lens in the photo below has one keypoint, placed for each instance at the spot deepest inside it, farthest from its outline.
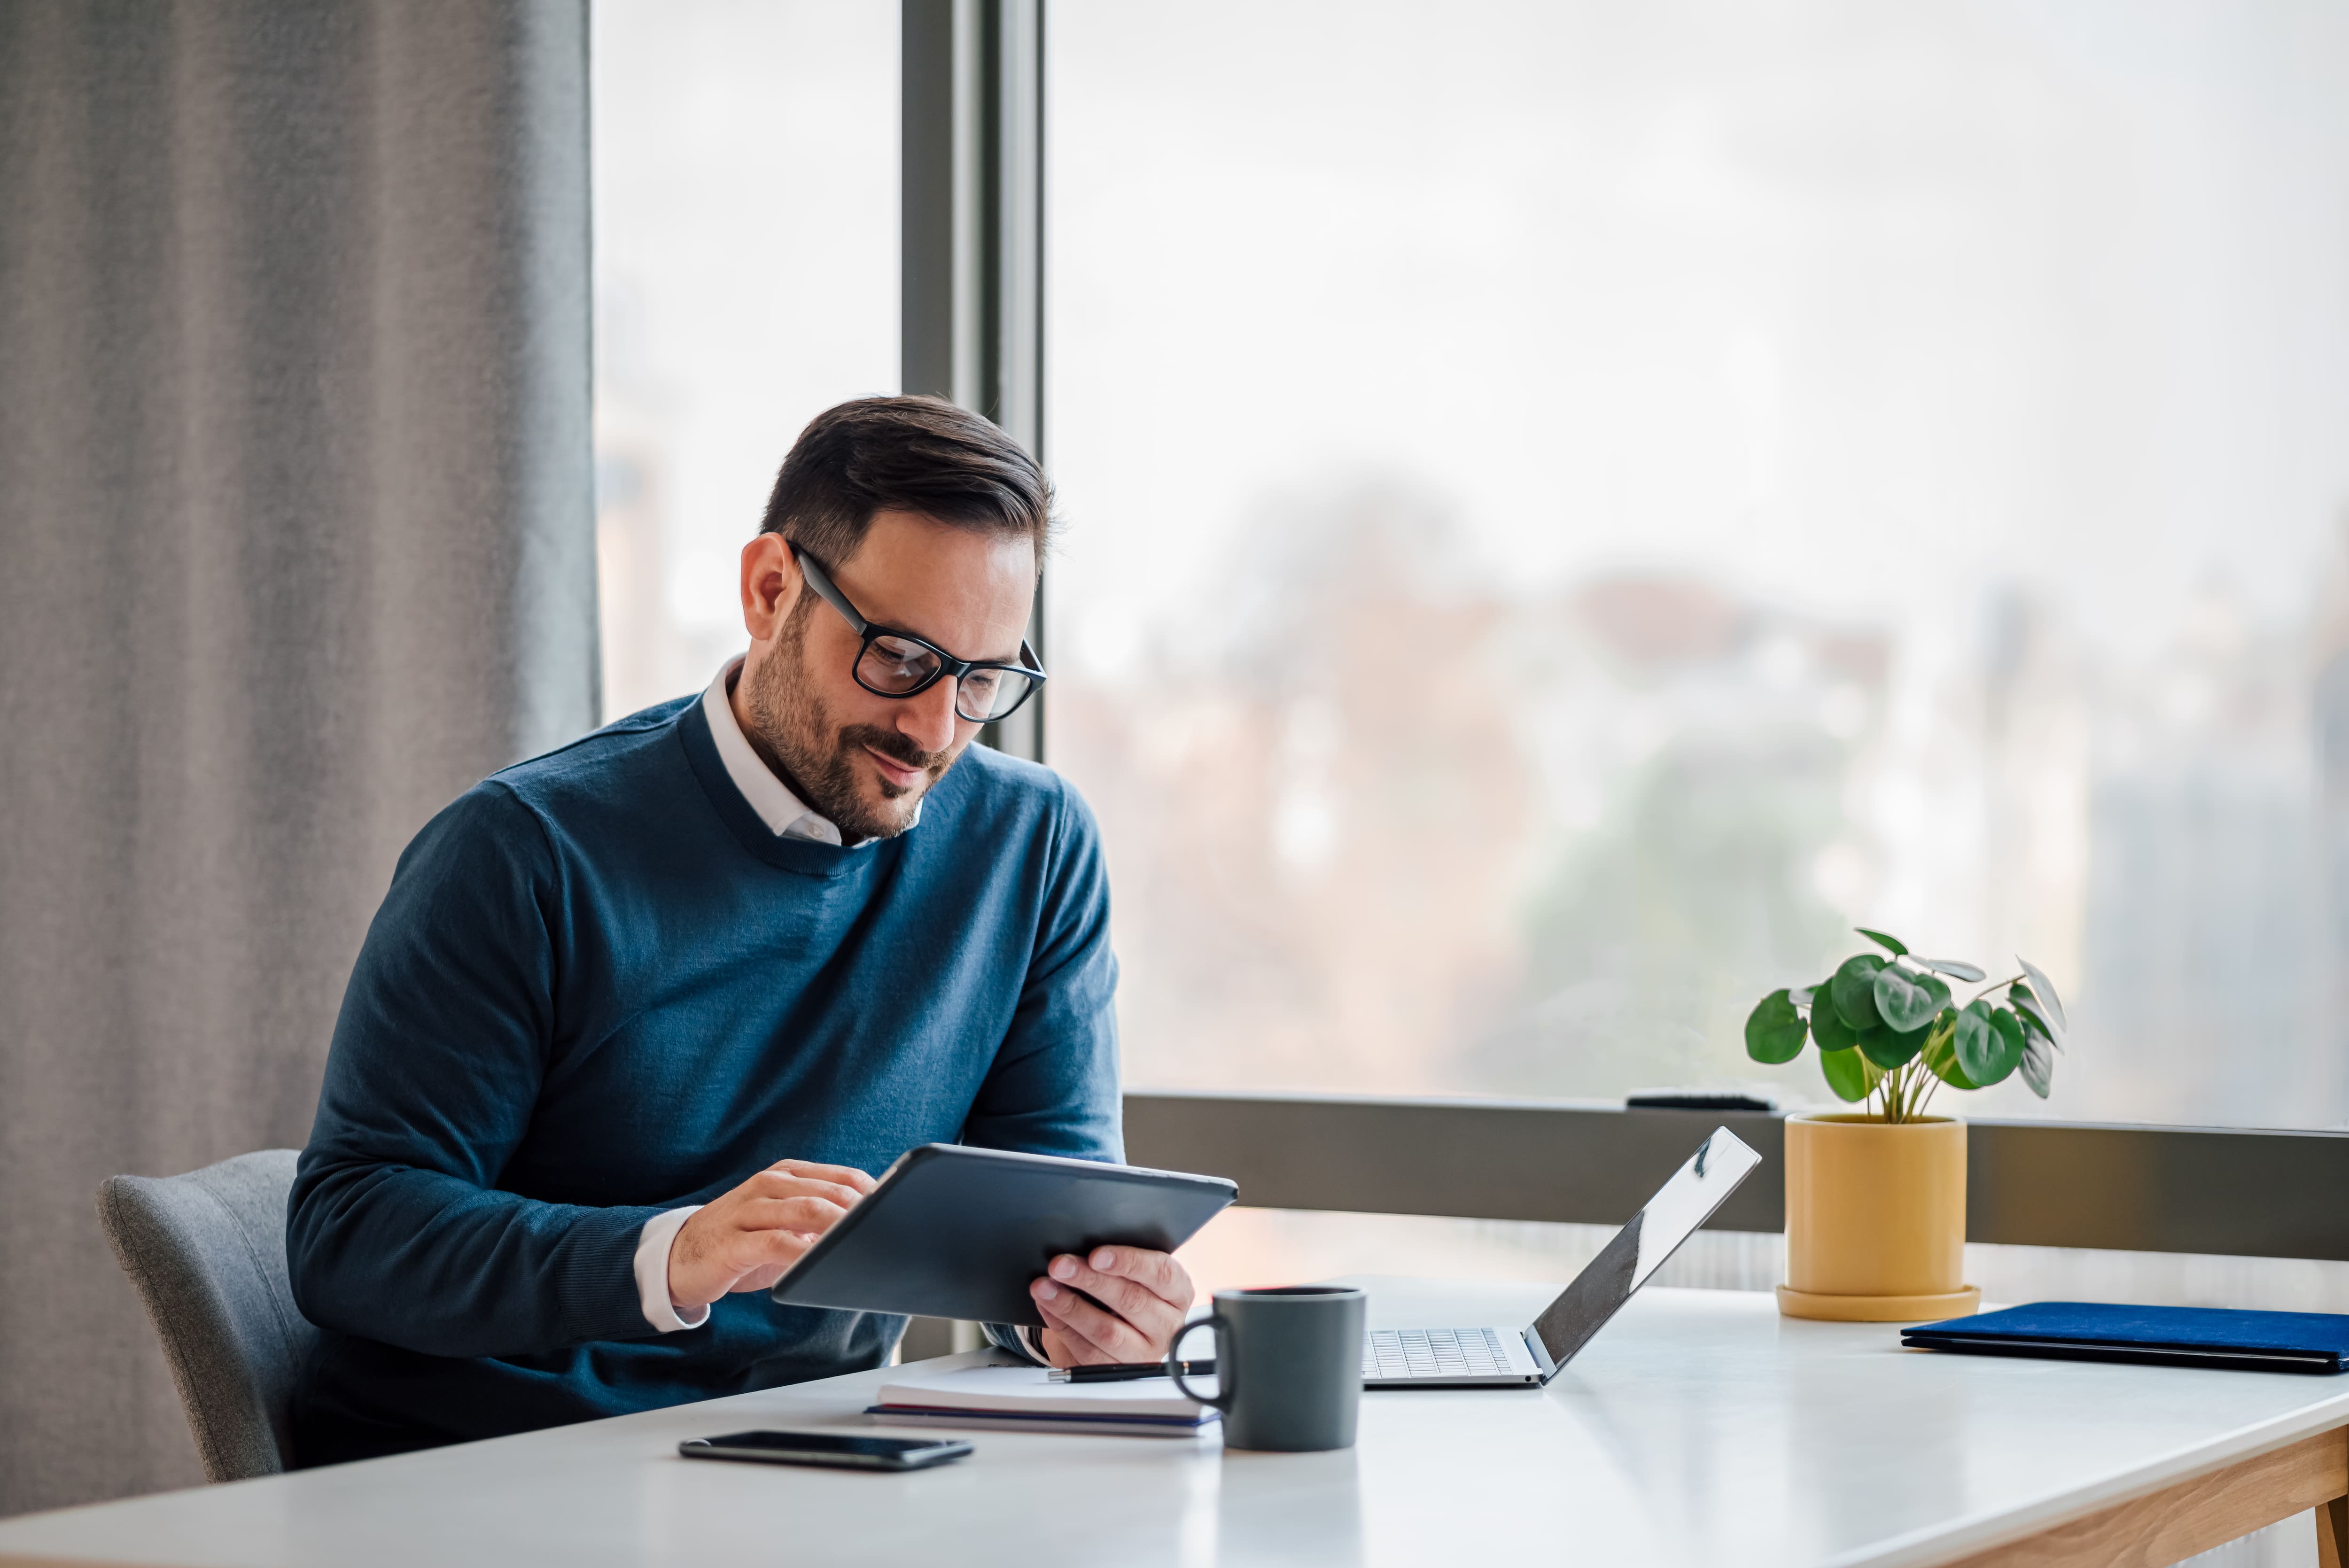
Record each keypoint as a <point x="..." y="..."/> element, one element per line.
<point x="892" y="667"/>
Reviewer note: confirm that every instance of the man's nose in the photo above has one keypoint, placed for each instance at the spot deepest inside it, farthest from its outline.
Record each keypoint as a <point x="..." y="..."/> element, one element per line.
<point x="927" y="719"/>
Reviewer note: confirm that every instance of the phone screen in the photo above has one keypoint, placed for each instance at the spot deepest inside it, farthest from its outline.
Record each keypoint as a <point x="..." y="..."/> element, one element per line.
<point x="824" y="1443"/>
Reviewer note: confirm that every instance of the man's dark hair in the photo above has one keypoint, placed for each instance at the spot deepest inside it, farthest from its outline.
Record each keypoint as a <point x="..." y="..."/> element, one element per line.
<point x="920" y="455"/>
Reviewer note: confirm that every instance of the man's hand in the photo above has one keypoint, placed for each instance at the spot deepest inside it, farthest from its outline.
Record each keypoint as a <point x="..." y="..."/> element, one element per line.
<point x="1147" y="1294"/>
<point x="746" y="1239"/>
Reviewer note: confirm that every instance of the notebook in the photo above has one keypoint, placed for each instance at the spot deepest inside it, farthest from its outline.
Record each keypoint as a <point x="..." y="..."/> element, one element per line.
<point x="2223" y="1337"/>
<point x="1023" y="1398"/>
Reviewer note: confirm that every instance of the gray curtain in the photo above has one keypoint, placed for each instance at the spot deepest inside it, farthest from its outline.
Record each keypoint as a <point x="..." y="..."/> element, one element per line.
<point x="296" y="541"/>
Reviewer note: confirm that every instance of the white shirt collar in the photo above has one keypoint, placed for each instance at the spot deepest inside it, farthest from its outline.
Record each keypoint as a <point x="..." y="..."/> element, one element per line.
<point x="785" y="814"/>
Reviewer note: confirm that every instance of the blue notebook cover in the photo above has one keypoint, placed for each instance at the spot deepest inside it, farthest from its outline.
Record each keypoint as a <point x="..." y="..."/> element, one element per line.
<point x="2161" y="1336"/>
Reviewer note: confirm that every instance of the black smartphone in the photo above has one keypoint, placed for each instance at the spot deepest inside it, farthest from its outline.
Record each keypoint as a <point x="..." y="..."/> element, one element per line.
<point x="825" y="1449"/>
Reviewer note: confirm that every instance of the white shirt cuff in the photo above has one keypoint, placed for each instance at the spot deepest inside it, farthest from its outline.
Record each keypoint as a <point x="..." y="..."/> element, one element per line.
<point x="653" y="1244"/>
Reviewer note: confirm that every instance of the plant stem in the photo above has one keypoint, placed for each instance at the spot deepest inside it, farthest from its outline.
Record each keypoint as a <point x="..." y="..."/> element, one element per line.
<point x="1994" y="984"/>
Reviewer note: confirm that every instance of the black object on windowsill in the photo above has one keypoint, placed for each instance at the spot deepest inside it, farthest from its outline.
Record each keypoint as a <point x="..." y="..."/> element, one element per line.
<point x="1696" y="1100"/>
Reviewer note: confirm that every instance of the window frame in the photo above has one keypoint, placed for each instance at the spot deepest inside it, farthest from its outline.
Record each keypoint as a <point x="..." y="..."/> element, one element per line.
<point x="2230" y="1191"/>
<point x="974" y="316"/>
<point x="971" y="316"/>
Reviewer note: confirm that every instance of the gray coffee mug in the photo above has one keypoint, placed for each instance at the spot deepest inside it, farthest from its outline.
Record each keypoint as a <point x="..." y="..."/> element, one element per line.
<point x="1288" y="1366"/>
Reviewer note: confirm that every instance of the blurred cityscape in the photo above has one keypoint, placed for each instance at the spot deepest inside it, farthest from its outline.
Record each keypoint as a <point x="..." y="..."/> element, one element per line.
<point x="1570" y="508"/>
<point x="1375" y="830"/>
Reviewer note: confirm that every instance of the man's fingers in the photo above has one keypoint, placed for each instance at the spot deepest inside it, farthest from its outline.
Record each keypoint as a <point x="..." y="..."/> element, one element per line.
<point x="1153" y="1314"/>
<point x="1056" y="1346"/>
<point x="1111" y="1332"/>
<point x="780" y="1189"/>
<point x="1156" y="1272"/>
<point x="1084" y="1349"/>
<point x="846" y="1175"/>
<point x="813" y="1214"/>
<point x="1063" y="1346"/>
<point x="762" y="1249"/>
<point x="749" y="1236"/>
<point x="1067" y="1347"/>
<point x="747" y="1260"/>
<point x="776" y="1184"/>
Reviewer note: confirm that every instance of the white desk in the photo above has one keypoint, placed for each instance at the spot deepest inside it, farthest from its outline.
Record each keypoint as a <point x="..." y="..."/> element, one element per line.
<point x="1700" y="1427"/>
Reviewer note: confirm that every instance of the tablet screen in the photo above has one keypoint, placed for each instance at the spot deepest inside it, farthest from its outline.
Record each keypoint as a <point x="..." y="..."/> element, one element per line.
<point x="958" y="1233"/>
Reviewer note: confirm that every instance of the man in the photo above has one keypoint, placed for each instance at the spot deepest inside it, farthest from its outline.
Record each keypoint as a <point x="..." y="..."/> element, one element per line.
<point x="637" y="1017"/>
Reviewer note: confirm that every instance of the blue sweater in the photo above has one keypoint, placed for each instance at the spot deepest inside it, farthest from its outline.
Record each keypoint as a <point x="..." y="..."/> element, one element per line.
<point x="600" y="987"/>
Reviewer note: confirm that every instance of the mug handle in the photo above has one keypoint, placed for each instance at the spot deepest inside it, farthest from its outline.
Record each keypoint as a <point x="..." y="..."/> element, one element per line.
<point x="1223" y="1376"/>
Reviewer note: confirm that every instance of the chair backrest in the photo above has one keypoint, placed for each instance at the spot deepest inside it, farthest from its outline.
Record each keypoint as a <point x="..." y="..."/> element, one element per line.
<point x="207" y="1251"/>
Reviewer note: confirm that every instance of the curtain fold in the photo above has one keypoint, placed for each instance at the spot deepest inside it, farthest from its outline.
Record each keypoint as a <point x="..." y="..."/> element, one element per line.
<point x="296" y="541"/>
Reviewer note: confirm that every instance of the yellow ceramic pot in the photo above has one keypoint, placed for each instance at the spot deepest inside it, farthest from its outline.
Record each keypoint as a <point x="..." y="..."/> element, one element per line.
<point x="1876" y="1219"/>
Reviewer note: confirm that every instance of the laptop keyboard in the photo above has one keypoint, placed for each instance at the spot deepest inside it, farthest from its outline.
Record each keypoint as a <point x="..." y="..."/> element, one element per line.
<point x="1434" y="1352"/>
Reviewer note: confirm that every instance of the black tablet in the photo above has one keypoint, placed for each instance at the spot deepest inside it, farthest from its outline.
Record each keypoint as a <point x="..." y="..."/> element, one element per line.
<point x="953" y="1232"/>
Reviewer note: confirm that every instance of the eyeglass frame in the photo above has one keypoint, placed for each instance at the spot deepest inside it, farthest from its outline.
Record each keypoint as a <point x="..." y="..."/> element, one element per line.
<point x="818" y="579"/>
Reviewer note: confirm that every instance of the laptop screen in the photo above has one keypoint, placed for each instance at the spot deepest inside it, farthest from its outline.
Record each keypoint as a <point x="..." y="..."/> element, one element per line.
<point x="1686" y="1202"/>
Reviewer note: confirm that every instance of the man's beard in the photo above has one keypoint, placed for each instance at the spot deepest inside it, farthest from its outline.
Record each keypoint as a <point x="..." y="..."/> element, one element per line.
<point x="793" y="728"/>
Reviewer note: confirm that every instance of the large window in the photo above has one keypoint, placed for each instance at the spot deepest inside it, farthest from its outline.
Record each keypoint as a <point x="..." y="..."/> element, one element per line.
<point x="1573" y="505"/>
<point x="746" y="279"/>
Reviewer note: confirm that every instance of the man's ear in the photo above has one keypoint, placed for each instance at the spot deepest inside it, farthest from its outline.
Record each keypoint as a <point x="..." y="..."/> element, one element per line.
<point x="770" y="586"/>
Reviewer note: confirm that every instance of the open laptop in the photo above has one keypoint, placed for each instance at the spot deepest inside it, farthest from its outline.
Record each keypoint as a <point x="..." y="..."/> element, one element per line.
<point x="1527" y="1358"/>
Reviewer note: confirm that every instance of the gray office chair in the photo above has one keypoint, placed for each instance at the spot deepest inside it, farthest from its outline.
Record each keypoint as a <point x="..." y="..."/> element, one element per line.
<point x="207" y="1251"/>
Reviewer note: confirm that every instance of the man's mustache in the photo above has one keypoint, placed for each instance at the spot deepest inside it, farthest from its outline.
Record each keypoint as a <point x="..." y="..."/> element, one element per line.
<point x="892" y="745"/>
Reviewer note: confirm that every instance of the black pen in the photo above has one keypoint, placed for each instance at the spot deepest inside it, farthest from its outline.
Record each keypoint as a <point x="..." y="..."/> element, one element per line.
<point x="1127" y="1371"/>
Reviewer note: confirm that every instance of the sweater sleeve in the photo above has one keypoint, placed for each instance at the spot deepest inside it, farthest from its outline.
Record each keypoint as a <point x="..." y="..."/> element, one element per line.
<point x="396" y="1230"/>
<point x="1053" y="1088"/>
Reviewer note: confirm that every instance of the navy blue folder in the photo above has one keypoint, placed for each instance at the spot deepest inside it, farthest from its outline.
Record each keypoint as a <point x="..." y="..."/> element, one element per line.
<point x="2162" y="1335"/>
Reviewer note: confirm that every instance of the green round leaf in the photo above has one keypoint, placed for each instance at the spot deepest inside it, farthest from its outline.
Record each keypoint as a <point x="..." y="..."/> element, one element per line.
<point x="1892" y="945"/>
<point x="1853" y="990"/>
<point x="2013" y="1035"/>
<point x="1846" y="1074"/>
<point x="2044" y="990"/>
<point x="1955" y="969"/>
<point x="1975" y="1042"/>
<point x="1887" y="1049"/>
<point x="2036" y="1039"/>
<point x="1829" y="1028"/>
<point x="1988" y="1042"/>
<point x="1905" y="1000"/>
<point x="2031" y="1007"/>
<point x="1775" y="1032"/>
<point x="2038" y="1065"/>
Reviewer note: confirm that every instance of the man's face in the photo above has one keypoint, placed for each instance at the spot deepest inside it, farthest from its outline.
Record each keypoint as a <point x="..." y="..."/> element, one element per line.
<point x="862" y="759"/>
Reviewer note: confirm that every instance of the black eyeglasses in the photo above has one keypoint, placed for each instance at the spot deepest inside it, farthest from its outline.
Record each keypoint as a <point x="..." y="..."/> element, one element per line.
<point x="899" y="664"/>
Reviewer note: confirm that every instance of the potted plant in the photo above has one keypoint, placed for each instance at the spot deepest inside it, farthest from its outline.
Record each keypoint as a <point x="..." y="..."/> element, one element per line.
<point x="1876" y="1199"/>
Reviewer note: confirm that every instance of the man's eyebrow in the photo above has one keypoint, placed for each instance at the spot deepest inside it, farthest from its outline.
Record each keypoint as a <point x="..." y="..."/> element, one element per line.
<point x="1011" y="659"/>
<point x="882" y="623"/>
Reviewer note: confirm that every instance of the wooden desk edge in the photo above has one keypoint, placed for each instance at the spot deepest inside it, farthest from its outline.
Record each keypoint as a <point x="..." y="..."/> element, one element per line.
<point x="2173" y="1522"/>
